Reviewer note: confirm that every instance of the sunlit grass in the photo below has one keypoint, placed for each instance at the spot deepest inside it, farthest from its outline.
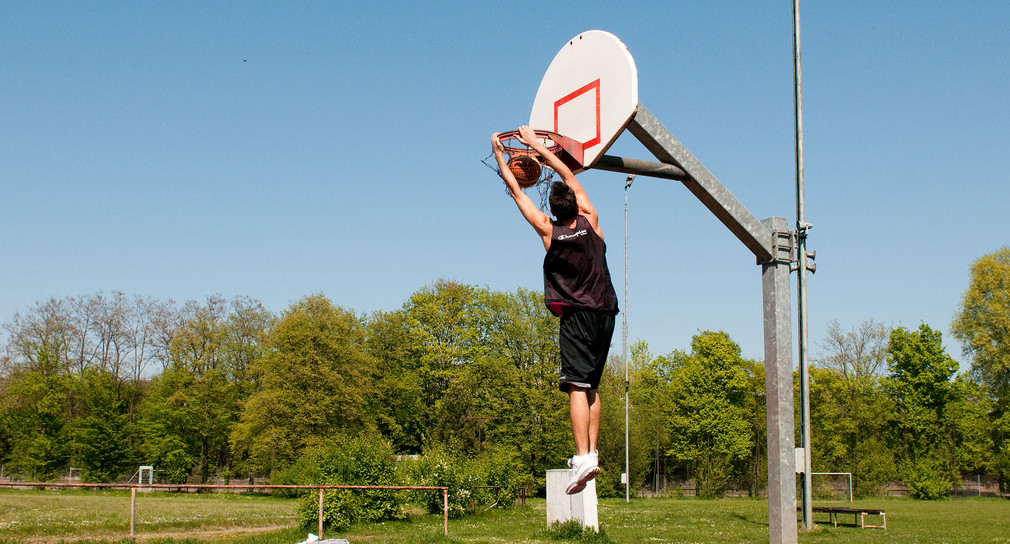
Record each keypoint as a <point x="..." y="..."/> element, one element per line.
<point x="36" y="517"/>
<point x="105" y="513"/>
<point x="729" y="521"/>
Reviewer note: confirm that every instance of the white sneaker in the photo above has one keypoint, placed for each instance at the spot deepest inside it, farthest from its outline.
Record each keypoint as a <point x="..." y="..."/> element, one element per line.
<point x="593" y="457"/>
<point x="583" y="469"/>
<point x="574" y="485"/>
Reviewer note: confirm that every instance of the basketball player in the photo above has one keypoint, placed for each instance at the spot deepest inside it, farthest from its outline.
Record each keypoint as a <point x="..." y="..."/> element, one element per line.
<point x="577" y="288"/>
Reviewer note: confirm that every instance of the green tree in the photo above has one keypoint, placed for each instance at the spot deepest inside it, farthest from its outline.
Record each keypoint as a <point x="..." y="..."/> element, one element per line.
<point x="487" y="362"/>
<point x="850" y="411"/>
<point x="649" y="393"/>
<point x="193" y="404"/>
<point x="517" y="378"/>
<point x="102" y="435"/>
<point x="35" y="414"/>
<point x="919" y="382"/>
<point x="982" y="323"/>
<point x="849" y="423"/>
<point x="242" y="339"/>
<point x="314" y="379"/>
<point x="518" y="327"/>
<point x="968" y="427"/>
<point x="166" y="420"/>
<point x="398" y="406"/>
<point x="492" y="403"/>
<point x="708" y="427"/>
<point x="611" y="439"/>
<point x="443" y="336"/>
<point x="1001" y="447"/>
<point x="753" y="468"/>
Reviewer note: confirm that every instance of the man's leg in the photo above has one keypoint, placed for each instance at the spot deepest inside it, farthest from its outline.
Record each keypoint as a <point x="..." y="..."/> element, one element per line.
<point x="584" y="412"/>
<point x="580" y="414"/>
<point x="593" y="400"/>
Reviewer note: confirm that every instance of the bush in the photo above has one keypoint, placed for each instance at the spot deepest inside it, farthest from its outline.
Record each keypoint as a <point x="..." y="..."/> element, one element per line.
<point x="304" y="471"/>
<point x="874" y="467"/>
<point x="1001" y="469"/>
<point x="713" y="473"/>
<point x="608" y="484"/>
<point x="361" y="460"/>
<point x="926" y="478"/>
<point x="493" y="477"/>
<point x="439" y="468"/>
<point x="573" y="531"/>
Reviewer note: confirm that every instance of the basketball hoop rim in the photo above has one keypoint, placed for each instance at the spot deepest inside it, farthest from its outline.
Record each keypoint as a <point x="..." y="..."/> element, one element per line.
<point x="569" y="150"/>
<point x="554" y="137"/>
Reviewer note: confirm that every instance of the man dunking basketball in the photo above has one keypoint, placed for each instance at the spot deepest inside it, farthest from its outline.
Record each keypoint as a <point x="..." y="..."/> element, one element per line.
<point x="578" y="289"/>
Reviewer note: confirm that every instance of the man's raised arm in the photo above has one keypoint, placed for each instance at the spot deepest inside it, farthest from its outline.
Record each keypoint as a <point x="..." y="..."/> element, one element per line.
<point x="529" y="137"/>
<point x="536" y="218"/>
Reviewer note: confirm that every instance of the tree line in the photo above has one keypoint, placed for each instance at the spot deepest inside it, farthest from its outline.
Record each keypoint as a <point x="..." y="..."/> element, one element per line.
<point x="226" y="388"/>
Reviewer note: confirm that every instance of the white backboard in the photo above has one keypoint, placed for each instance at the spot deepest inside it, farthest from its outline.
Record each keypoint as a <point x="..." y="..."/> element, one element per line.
<point x="589" y="93"/>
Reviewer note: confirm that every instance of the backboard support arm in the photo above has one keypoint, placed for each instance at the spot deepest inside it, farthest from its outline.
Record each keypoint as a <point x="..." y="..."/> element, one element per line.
<point x="713" y="194"/>
<point x="772" y="243"/>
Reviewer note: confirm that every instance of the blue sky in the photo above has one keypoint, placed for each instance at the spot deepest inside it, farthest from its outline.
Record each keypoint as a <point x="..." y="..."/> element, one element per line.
<point x="275" y="150"/>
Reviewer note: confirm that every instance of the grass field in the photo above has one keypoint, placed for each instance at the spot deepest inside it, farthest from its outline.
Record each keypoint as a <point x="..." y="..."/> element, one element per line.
<point x="49" y="516"/>
<point x="52" y="517"/>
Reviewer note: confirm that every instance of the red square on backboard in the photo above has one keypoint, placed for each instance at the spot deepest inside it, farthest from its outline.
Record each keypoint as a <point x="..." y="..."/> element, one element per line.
<point x="594" y="87"/>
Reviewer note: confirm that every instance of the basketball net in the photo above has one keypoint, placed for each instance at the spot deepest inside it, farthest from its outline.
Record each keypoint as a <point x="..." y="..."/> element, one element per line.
<point x="542" y="185"/>
<point x="514" y="148"/>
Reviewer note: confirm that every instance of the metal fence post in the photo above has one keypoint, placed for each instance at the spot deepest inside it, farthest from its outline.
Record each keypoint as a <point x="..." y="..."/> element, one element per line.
<point x="320" y="513"/>
<point x="133" y="509"/>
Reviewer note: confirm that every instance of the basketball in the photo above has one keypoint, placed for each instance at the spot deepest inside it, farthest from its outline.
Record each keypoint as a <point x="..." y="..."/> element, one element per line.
<point x="526" y="170"/>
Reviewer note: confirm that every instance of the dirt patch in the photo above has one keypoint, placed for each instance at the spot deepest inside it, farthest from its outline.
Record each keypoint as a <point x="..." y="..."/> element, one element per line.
<point x="215" y="534"/>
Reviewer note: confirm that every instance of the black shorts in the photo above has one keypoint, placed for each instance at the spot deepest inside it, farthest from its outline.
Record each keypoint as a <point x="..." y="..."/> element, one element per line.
<point x="584" y="338"/>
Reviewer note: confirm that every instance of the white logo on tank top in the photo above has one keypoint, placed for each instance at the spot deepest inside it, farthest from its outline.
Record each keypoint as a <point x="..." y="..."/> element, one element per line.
<point x="575" y="234"/>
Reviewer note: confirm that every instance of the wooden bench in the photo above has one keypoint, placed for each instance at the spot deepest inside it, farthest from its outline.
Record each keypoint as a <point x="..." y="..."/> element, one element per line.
<point x="858" y="514"/>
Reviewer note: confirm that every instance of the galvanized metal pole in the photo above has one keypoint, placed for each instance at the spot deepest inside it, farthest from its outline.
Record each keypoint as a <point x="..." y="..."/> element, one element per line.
<point x="779" y="386"/>
<point x="624" y="352"/>
<point x="801" y="277"/>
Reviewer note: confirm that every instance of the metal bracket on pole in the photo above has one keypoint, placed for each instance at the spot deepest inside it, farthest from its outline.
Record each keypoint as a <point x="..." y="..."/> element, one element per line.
<point x="784" y="247"/>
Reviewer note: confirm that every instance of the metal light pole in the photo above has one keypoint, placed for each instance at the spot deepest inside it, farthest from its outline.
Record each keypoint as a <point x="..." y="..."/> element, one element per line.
<point x="627" y="471"/>
<point x="801" y="275"/>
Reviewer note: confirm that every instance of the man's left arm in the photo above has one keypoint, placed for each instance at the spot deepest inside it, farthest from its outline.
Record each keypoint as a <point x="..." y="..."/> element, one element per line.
<point x="586" y="208"/>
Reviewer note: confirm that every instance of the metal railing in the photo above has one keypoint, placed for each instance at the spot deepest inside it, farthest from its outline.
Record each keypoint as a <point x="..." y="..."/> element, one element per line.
<point x="178" y="487"/>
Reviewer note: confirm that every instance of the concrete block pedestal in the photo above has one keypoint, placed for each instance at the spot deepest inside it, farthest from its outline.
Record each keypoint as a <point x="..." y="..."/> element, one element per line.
<point x="562" y="507"/>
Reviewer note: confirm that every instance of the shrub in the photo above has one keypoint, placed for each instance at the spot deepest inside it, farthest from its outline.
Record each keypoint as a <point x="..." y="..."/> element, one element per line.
<point x="926" y="478"/>
<point x="493" y="477"/>
<point x="439" y="468"/>
<point x="304" y="471"/>
<point x="573" y="531"/>
<point x="713" y="473"/>
<point x="874" y="467"/>
<point x="361" y="460"/>
<point x="608" y="484"/>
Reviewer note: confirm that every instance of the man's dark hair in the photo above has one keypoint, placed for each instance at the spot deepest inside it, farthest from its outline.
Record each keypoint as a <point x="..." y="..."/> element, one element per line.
<point x="562" y="200"/>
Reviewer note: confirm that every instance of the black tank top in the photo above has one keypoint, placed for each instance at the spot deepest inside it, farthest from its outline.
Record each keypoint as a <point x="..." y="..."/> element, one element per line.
<point x="575" y="270"/>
